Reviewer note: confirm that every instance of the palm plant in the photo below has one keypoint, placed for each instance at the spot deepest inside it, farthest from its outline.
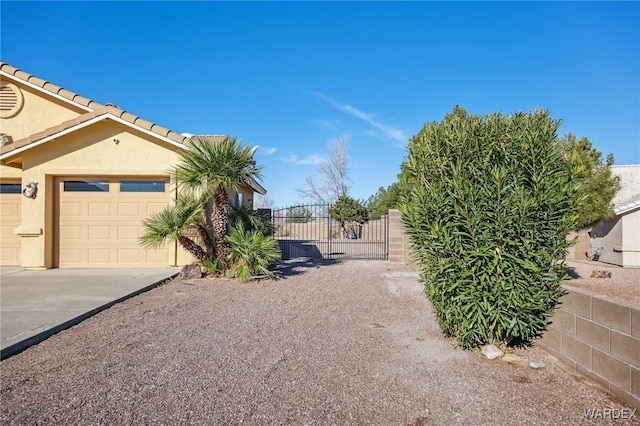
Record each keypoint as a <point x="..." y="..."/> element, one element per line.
<point x="251" y="220"/>
<point x="251" y="252"/>
<point x="174" y="223"/>
<point x="212" y="167"/>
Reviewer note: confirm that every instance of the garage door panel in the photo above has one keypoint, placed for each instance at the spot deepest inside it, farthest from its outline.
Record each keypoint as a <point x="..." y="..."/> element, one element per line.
<point x="129" y="209"/>
<point x="6" y="232"/>
<point x="130" y="232"/>
<point x="100" y="232"/>
<point x="71" y="233"/>
<point x="72" y="256"/>
<point x="99" y="256"/>
<point x="152" y="208"/>
<point x="102" y="228"/>
<point x="9" y="210"/>
<point x="99" y="210"/>
<point x="10" y="218"/>
<point x="130" y="256"/>
<point x="73" y="210"/>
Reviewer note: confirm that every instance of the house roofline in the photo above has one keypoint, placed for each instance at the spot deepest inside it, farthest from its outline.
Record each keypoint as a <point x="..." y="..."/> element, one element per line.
<point x="57" y="132"/>
<point x="50" y="89"/>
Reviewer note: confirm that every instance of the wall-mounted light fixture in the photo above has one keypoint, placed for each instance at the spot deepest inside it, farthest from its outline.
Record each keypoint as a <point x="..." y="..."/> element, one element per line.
<point x="4" y="139"/>
<point x="31" y="190"/>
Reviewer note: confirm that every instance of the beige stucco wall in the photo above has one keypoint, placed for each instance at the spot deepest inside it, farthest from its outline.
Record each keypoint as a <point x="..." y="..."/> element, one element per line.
<point x="87" y="152"/>
<point x="7" y="172"/>
<point x="608" y="235"/>
<point x="631" y="239"/>
<point x="39" y="112"/>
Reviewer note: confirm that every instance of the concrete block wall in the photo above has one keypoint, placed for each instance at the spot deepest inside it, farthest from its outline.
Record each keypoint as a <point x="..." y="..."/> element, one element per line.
<point x="598" y="337"/>
<point x="399" y="250"/>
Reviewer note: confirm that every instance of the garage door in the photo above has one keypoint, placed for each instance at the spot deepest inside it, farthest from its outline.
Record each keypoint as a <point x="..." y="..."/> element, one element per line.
<point x="10" y="217"/>
<point x="100" y="222"/>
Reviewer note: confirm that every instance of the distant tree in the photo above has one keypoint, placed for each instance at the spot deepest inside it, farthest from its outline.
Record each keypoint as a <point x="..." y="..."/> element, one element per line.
<point x="298" y="214"/>
<point x="350" y="213"/>
<point x="384" y="200"/>
<point x="596" y="184"/>
<point x="333" y="172"/>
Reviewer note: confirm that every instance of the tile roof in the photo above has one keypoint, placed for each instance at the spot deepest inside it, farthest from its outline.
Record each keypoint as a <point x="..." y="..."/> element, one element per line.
<point x="49" y="87"/>
<point x="94" y="109"/>
<point x="628" y="197"/>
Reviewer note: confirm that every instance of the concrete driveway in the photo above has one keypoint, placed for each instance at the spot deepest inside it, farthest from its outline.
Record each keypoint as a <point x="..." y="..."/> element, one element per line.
<point x="37" y="304"/>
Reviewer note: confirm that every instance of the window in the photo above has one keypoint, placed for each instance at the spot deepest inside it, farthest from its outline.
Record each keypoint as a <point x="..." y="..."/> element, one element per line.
<point x="86" y="186"/>
<point x="10" y="188"/>
<point x="239" y="199"/>
<point x="142" y="186"/>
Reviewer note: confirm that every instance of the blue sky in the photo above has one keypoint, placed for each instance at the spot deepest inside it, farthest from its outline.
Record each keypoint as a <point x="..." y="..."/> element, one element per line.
<point x="290" y="76"/>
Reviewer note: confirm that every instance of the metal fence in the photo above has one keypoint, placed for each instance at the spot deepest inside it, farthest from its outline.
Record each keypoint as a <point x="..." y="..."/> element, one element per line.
<point x="310" y="231"/>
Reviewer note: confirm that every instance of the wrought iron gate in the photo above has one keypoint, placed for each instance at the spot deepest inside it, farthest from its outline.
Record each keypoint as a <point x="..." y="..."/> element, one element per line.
<point x="309" y="231"/>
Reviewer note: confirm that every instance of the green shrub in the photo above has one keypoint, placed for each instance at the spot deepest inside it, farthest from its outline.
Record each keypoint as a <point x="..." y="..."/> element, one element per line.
<point x="252" y="221"/>
<point x="251" y="253"/>
<point x="349" y="213"/>
<point x="488" y="212"/>
<point x="298" y="214"/>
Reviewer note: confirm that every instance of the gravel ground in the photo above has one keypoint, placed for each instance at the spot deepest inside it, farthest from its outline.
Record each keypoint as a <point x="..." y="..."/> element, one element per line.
<point x="328" y="343"/>
<point x="623" y="284"/>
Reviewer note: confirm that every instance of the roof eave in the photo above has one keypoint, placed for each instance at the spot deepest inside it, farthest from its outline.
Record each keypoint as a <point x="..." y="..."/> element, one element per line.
<point x="626" y="208"/>
<point x="98" y="118"/>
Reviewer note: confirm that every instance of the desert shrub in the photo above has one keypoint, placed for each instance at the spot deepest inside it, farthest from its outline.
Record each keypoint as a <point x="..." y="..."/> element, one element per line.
<point x="350" y="213"/>
<point x="298" y="214"/>
<point x="251" y="253"/>
<point x="488" y="212"/>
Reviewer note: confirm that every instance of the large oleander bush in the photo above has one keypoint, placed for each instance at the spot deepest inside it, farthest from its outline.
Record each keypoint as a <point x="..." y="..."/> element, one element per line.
<point x="489" y="205"/>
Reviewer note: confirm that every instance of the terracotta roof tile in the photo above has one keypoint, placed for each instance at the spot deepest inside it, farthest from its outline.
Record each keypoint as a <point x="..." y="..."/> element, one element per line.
<point x="66" y="94"/>
<point x="71" y="123"/>
<point x="37" y="81"/>
<point x="8" y="68"/>
<point x="147" y="125"/>
<point x="81" y="100"/>
<point x="52" y="87"/>
<point x="177" y="137"/>
<point x="129" y="117"/>
<point x="160" y="130"/>
<point x="21" y="75"/>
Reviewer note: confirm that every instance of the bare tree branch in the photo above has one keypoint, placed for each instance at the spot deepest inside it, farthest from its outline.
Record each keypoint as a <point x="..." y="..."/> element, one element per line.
<point x="333" y="174"/>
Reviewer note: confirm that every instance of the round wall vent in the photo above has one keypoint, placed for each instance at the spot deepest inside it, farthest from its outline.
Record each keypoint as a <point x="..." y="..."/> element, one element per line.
<point x="11" y="100"/>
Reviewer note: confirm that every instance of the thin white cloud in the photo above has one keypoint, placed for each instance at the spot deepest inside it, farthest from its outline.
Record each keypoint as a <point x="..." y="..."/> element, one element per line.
<point x="390" y="131"/>
<point x="309" y="159"/>
<point x="266" y="150"/>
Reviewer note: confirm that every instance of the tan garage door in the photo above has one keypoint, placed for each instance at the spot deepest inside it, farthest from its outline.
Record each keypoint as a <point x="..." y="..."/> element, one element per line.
<point x="10" y="217"/>
<point x="100" y="221"/>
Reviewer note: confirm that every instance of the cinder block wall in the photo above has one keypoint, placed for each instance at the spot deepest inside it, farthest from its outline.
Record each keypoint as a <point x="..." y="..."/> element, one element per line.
<point x="399" y="250"/>
<point x="598" y="337"/>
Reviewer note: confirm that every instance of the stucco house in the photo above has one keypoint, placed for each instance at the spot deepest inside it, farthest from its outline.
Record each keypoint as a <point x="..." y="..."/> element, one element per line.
<point x="617" y="240"/>
<point x="77" y="178"/>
